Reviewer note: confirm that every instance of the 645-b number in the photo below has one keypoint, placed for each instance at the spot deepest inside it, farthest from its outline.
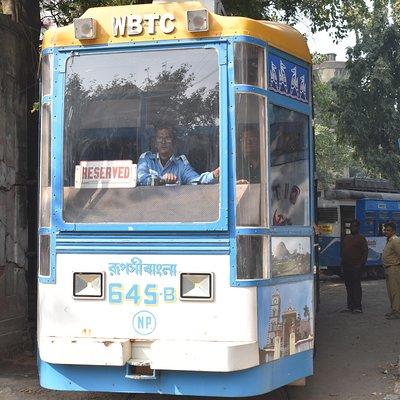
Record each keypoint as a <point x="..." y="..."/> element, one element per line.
<point x="149" y="295"/>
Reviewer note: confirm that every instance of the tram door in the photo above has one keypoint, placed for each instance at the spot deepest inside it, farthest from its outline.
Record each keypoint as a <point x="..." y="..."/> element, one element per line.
<point x="347" y="214"/>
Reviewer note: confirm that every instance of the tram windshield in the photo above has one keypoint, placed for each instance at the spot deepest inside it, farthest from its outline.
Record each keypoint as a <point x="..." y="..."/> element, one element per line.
<point x="141" y="137"/>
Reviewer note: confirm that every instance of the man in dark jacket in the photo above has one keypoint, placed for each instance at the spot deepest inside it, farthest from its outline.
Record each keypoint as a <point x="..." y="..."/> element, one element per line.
<point x="354" y="257"/>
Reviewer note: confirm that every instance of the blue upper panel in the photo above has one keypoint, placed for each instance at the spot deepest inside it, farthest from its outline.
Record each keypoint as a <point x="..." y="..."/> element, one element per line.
<point x="288" y="78"/>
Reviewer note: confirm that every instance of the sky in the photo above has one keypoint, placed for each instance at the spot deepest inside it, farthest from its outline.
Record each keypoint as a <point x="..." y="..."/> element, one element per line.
<point x="322" y="43"/>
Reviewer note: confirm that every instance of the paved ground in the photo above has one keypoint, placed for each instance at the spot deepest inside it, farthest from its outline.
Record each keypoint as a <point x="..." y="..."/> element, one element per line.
<point x="356" y="354"/>
<point x="355" y="359"/>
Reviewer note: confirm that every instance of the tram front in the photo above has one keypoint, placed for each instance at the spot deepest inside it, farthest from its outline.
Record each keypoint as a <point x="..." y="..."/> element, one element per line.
<point x="175" y="230"/>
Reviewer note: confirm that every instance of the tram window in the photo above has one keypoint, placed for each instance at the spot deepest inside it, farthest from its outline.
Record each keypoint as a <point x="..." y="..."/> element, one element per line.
<point x="47" y="61"/>
<point x="45" y="166"/>
<point x="113" y="112"/>
<point x="44" y="255"/>
<point x="369" y="227"/>
<point x="290" y="256"/>
<point x="252" y="256"/>
<point x="249" y="64"/>
<point x="289" y="153"/>
<point x="250" y="160"/>
<point x="383" y="215"/>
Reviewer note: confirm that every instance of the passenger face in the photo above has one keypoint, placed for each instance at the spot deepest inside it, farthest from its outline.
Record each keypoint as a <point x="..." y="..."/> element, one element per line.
<point x="389" y="232"/>
<point x="164" y="143"/>
<point x="251" y="144"/>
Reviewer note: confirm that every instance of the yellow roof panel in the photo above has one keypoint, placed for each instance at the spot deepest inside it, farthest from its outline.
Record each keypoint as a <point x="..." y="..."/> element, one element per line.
<point x="280" y="36"/>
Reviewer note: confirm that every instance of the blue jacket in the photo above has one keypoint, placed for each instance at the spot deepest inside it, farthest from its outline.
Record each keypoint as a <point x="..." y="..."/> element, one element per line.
<point x="149" y="165"/>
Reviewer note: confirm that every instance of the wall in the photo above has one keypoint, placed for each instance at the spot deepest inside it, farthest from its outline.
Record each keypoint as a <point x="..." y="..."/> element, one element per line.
<point x="13" y="186"/>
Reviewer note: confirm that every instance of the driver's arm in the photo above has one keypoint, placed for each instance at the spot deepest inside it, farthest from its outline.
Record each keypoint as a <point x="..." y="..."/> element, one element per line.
<point x="190" y="176"/>
<point x="144" y="170"/>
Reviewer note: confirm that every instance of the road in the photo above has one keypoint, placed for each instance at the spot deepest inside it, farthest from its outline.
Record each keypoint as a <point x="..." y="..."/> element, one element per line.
<point x="355" y="357"/>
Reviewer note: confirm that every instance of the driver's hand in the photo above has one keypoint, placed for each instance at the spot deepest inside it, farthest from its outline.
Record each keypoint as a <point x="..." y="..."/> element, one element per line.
<point x="216" y="173"/>
<point x="170" y="178"/>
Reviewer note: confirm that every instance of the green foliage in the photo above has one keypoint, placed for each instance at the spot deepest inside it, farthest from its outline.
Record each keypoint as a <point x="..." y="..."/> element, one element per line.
<point x="340" y="15"/>
<point x="333" y="156"/>
<point x="64" y="11"/>
<point x="318" y="58"/>
<point x="368" y="101"/>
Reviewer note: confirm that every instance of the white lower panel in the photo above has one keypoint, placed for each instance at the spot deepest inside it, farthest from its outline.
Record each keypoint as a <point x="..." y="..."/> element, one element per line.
<point x="204" y="356"/>
<point x="160" y="354"/>
<point x="85" y="351"/>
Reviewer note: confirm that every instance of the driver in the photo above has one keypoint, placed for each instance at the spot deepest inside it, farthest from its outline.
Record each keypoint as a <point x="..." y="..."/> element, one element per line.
<point x="164" y="166"/>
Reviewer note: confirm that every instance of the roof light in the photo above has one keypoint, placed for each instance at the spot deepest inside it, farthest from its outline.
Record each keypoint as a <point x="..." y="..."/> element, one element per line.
<point x="197" y="20"/>
<point x="85" y="28"/>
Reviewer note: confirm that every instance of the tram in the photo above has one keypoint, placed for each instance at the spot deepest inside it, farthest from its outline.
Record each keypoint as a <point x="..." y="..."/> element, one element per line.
<point x="175" y="237"/>
<point x="373" y="202"/>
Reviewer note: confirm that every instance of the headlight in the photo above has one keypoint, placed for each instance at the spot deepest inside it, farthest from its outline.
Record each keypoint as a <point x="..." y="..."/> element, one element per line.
<point x="196" y="286"/>
<point x="88" y="285"/>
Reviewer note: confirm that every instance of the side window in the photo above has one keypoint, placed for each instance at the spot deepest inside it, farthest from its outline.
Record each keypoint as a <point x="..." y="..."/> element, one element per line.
<point x="45" y="166"/>
<point x="249" y="64"/>
<point x="250" y="160"/>
<point x="252" y="257"/>
<point x="289" y="155"/>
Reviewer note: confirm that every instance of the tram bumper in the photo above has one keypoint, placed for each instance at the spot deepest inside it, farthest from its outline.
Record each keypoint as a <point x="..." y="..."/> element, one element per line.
<point x="158" y="355"/>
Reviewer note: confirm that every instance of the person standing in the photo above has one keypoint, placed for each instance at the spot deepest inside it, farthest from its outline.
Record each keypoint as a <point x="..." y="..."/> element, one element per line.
<point x="354" y="257"/>
<point x="391" y="263"/>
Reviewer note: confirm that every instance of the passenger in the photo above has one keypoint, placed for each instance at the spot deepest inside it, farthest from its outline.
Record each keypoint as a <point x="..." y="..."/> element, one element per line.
<point x="165" y="167"/>
<point x="391" y="263"/>
<point x="248" y="166"/>
<point x="354" y="257"/>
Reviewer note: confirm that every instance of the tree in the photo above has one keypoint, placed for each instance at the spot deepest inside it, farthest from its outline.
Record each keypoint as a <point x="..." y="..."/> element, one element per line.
<point x="367" y="106"/>
<point x="341" y="15"/>
<point x="64" y="11"/>
<point x="333" y="156"/>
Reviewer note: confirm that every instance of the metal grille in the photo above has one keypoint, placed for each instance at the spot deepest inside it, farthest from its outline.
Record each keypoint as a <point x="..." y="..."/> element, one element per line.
<point x="329" y="214"/>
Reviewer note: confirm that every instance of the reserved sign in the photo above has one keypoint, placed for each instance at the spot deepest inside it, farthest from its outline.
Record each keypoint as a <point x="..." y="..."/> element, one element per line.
<point x="105" y="174"/>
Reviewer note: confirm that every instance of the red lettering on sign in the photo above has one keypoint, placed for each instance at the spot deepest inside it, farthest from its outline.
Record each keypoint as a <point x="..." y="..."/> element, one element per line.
<point x="115" y="172"/>
<point x="126" y="172"/>
<point x="84" y="173"/>
<point x="102" y="173"/>
<point x="90" y="173"/>
<point x="120" y="172"/>
<point x="96" y="173"/>
<point x="108" y="173"/>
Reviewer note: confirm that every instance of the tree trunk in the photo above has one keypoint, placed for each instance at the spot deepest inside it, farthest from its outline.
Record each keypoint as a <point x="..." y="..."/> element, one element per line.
<point x="30" y="19"/>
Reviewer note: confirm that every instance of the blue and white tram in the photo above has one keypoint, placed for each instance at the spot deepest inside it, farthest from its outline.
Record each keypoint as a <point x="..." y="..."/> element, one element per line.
<point x="148" y="284"/>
